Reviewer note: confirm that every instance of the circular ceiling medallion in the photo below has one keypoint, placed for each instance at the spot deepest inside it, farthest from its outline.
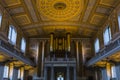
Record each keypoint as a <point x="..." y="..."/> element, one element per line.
<point x="60" y="6"/>
<point x="60" y="10"/>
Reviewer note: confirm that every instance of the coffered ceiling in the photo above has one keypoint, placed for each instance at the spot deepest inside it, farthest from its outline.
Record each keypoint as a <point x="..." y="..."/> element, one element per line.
<point x="38" y="18"/>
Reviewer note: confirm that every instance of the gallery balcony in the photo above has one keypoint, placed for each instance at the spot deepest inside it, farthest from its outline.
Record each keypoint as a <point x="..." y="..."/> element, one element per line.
<point x="8" y="49"/>
<point x="110" y="52"/>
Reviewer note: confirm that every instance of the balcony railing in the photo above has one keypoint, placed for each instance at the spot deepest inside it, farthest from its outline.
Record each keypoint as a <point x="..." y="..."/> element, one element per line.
<point x="9" y="49"/>
<point x="110" y="49"/>
<point x="60" y="61"/>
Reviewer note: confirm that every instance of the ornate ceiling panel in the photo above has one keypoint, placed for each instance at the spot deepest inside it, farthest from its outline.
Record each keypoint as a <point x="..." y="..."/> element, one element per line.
<point x="60" y="10"/>
<point x="82" y="18"/>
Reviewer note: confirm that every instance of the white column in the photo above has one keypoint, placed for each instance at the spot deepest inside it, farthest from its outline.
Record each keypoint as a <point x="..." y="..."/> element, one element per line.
<point x="42" y="64"/>
<point x="45" y="73"/>
<point x="68" y="76"/>
<point x="74" y="73"/>
<point x="52" y="73"/>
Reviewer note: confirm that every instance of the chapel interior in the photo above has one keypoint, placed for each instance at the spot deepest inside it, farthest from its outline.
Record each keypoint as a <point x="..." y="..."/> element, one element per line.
<point x="59" y="39"/>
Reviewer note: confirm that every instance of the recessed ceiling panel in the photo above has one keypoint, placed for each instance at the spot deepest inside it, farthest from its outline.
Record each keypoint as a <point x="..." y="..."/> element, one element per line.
<point x="12" y="2"/>
<point x="17" y="10"/>
<point x="103" y="10"/>
<point x="97" y="19"/>
<point x="22" y="19"/>
<point x="109" y="2"/>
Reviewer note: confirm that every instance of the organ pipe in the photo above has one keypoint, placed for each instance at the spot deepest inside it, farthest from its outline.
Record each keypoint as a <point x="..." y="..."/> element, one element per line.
<point x="56" y="43"/>
<point x="51" y="42"/>
<point x="60" y="43"/>
<point x="54" y="46"/>
<point x="63" y="45"/>
<point x="68" y="42"/>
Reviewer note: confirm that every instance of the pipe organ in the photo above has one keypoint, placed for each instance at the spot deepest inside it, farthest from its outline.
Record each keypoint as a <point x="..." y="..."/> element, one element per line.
<point x="60" y="43"/>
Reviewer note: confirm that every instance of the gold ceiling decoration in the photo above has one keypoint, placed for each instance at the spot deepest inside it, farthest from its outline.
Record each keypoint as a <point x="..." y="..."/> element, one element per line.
<point x="60" y="29"/>
<point x="60" y="10"/>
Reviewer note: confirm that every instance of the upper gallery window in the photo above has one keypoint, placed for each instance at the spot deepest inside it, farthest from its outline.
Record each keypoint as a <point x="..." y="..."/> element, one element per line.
<point x="107" y="35"/>
<point x="0" y="19"/>
<point x="23" y="44"/>
<point x="12" y="35"/>
<point x="119" y="21"/>
<point x="96" y="45"/>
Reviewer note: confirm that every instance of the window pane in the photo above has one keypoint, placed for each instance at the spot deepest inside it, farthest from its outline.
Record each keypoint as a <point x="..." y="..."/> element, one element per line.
<point x="107" y="35"/>
<point x="19" y="74"/>
<point x="10" y="32"/>
<point x="12" y="35"/>
<point x="97" y="46"/>
<point x="23" y="45"/>
<point x="113" y="72"/>
<point x="119" y="21"/>
<point x="6" y="70"/>
<point x="0" y="19"/>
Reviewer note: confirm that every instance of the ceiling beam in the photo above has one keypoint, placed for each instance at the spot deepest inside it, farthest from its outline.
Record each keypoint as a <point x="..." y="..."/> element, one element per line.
<point x="40" y="25"/>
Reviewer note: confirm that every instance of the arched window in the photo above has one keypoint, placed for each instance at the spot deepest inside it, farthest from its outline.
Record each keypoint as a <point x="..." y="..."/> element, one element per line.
<point x="0" y="19"/>
<point x="6" y="71"/>
<point x="12" y="35"/>
<point x="107" y="35"/>
<point x="23" y="45"/>
<point x="96" y="45"/>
